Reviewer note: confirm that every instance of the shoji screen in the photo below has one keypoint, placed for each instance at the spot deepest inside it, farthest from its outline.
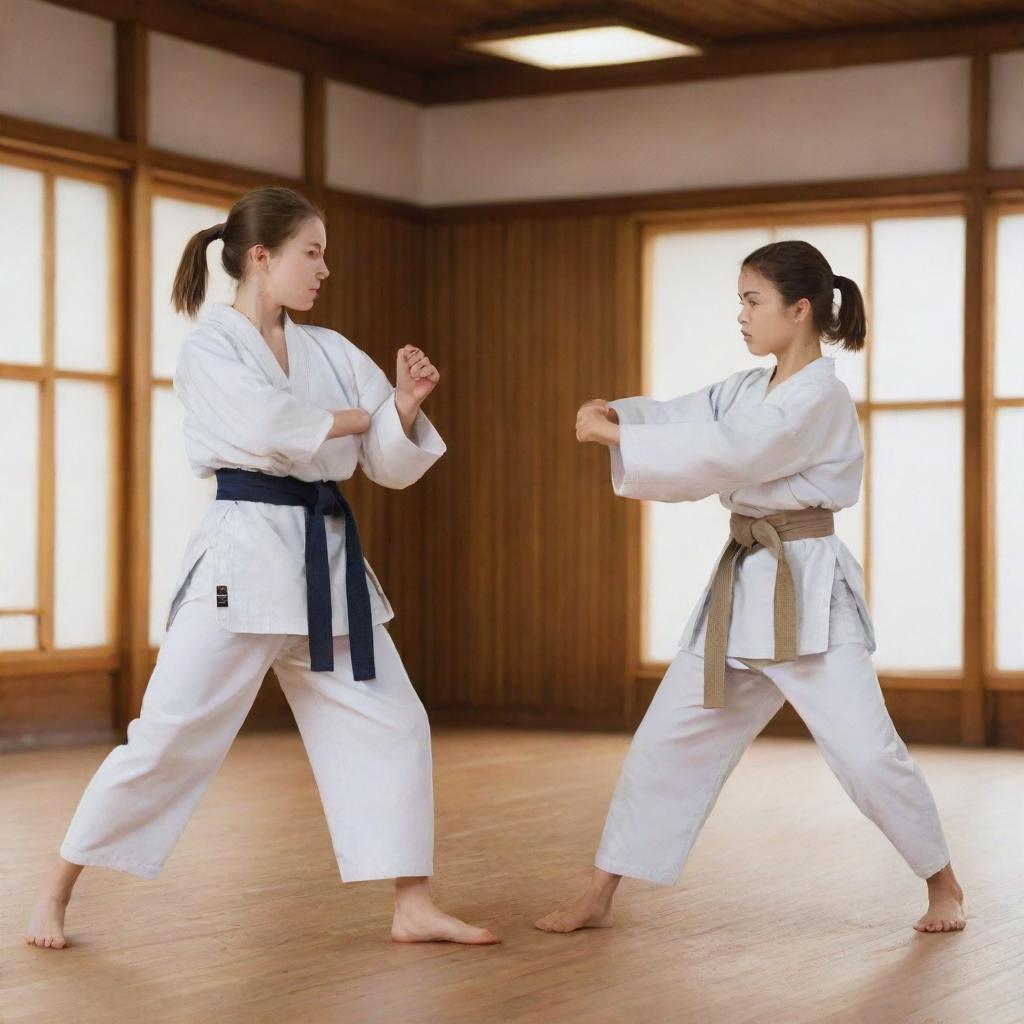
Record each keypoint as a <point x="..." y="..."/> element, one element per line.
<point x="59" y="402"/>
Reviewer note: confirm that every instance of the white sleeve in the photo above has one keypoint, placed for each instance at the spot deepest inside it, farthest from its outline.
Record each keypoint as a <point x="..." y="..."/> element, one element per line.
<point x="235" y="403"/>
<point x="698" y="405"/>
<point x="690" y="460"/>
<point x="387" y="456"/>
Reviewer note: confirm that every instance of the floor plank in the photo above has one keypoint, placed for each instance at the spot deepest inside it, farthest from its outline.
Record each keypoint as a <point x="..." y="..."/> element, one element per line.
<point x="792" y="908"/>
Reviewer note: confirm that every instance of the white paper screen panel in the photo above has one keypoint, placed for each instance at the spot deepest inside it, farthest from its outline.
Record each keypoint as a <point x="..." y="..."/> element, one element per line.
<point x="21" y="264"/>
<point x="83" y="299"/>
<point x="917" y="538"/>
<point x="83" y="556"/>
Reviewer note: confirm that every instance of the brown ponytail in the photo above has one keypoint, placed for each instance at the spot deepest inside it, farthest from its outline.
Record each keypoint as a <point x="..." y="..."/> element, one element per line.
<point x="799" y="271"/>
<point x="851" y="325"/>
<point x="264" y="216"/>
<point x="190" y="281"/>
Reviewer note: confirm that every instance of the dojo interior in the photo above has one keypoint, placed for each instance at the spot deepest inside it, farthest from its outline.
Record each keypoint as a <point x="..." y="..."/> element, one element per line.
<point x="547" y="236"/>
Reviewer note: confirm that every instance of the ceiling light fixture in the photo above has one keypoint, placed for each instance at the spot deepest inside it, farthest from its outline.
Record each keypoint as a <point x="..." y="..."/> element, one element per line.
<point x="581" y="42"/>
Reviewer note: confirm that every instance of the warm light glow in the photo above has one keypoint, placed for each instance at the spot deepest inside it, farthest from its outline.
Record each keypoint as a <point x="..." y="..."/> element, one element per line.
<point x="585" y="47"/>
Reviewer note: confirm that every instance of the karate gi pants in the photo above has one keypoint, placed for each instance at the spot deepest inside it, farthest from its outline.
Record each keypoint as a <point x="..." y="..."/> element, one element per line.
<point x="682" y="754"/>
<point x="368" y="743"/>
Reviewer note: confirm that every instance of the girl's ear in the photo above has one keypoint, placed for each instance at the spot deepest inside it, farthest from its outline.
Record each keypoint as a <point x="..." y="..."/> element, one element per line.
<point x="258" y="254"/>
<point x="802" y="309"/>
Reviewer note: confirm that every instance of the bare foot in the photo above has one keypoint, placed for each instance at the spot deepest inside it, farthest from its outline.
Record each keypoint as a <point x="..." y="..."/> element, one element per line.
<point x="423" y="922"/>
<point x="587" y="913"/>
<point x="46" y="923"/>
<point x="593" y="910"/>
<point x="945" y="911"/>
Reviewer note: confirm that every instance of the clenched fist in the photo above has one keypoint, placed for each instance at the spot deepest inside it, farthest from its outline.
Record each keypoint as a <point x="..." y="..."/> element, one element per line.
<point x="416" y="376"/>
<point x="597" y="421"/>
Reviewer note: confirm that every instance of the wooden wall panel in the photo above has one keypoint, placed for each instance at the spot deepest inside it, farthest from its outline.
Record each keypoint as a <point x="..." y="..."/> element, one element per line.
<point x="53" y="710"/>
<point x="1008" y="716"/>
<point x="525" y="541"/>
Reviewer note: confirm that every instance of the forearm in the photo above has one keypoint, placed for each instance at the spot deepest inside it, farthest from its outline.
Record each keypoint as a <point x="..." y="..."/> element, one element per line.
<point x="349" y="421"/>
<point x="407" y="409"/>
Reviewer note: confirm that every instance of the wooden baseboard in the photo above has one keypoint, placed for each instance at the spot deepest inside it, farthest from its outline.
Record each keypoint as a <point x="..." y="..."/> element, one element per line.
<point x="65" y="711"/>
<point x="527" y="718"/>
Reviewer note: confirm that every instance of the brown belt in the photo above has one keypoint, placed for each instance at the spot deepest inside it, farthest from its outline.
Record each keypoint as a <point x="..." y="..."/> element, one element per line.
<point x="748" y="534"/>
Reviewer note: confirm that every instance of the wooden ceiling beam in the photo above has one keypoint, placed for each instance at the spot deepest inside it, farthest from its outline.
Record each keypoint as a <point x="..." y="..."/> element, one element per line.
<point x="751" y="56"/>
<point x="258" y="42"/>
<point x="845" y="48"/>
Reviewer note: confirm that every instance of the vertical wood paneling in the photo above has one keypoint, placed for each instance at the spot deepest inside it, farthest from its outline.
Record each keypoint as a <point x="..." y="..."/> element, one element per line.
<point x="314" y="129"/>
<point x="529" y="561"/>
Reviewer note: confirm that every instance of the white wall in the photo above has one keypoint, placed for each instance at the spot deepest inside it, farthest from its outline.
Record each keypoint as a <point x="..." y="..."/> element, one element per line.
<point x="213" y="104"/>
<point x="1007" y="123"/>
<point x="58" y="66"/>
<point x="869" y="121"/>
<point x="373" y="143"/>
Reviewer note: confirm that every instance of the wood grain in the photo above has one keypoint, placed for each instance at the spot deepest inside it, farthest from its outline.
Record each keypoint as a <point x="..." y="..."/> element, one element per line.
<point x="791" y="900"/>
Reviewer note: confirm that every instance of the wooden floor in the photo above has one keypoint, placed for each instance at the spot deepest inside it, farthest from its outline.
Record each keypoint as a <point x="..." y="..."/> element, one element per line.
<point x="792" y="909"/>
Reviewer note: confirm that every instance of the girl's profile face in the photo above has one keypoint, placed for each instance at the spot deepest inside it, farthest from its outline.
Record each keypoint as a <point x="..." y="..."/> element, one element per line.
<point x="296" y="270"/>
<point x="767" y="325"/>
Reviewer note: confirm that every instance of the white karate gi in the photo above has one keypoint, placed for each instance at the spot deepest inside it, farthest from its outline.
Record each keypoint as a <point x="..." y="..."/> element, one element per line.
<point x="243" y="412"/>
<point x="795" y="447"/>
<point x="369" y="741"/>
<point x="798" y="446"/>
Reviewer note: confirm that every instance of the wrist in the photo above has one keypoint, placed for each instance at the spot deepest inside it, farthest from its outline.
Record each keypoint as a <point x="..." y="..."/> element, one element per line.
<point x="406" y="404"/>
<point x="606" y="433"/>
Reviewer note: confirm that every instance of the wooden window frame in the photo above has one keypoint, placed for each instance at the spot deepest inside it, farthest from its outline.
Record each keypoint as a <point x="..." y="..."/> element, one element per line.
<point x="47" y="375"/>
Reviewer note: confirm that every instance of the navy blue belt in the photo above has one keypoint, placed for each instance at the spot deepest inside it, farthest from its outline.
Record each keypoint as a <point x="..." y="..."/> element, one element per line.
<point x="319" y="499"/>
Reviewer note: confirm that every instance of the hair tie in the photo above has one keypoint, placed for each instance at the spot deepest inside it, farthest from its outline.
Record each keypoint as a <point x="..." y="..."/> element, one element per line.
<point x="220" y="230"/>
<point x="836" y="278"/>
